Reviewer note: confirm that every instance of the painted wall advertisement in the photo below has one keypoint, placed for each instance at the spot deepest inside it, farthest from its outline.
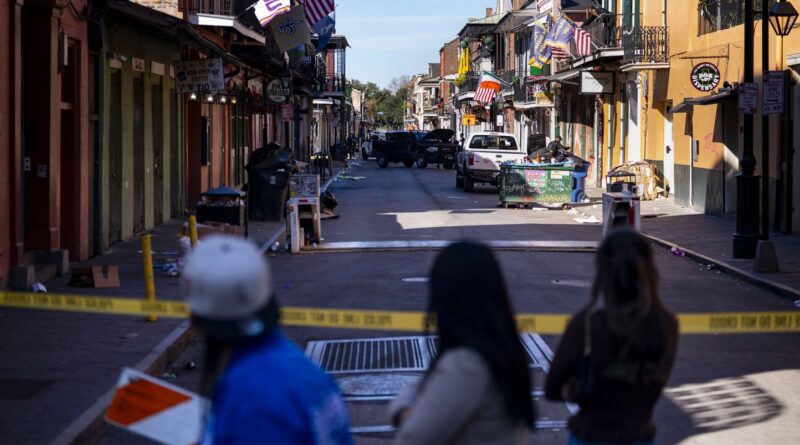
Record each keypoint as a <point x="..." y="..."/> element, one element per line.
<point x="200" y="75"/>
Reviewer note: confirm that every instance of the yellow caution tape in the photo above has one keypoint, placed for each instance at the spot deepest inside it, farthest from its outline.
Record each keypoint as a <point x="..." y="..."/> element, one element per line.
<point x="553" y="324"/>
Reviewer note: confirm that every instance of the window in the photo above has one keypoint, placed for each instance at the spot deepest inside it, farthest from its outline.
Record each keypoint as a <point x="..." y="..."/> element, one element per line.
<point x="716" y="15"/>
<point x="493" y="142"/>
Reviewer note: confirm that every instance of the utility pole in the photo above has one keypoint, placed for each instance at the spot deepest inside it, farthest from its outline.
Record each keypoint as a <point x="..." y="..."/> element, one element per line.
<point x="746" y="237"/>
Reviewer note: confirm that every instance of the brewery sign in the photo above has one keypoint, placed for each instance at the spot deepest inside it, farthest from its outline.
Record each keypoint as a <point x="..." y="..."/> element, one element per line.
<point x="275" y="91"/>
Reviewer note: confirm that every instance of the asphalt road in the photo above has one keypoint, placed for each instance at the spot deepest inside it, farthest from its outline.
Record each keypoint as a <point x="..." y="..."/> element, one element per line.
<point x="724" y="389"/>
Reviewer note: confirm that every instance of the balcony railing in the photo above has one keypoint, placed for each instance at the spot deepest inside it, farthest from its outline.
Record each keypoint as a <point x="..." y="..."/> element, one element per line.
<point x="606" y="31"/>
<point x="470" y="83"/>
<point x="528" y="90"/>
<point x="645" y="44"/>
<point x="215" y="7"/>
<point x="332" y="83"/>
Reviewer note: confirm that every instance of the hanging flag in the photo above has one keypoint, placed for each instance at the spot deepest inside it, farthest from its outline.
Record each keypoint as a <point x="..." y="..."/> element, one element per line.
<point x="317" y="10"/>
<point x="324" y="29"/>
<point x="539" y="53"/>
<point x="290" y="30"/>
<point x="463" y="62"/>
<point x="266" y="10"/>
<point x="488" y="86"/>
<point x="583" y="42"/>
<point x="560" y="54"/>
<point x="561" y="33"/>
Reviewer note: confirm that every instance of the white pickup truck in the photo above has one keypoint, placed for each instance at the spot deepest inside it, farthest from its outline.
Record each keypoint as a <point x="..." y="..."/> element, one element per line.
<point x="480" y="157"/>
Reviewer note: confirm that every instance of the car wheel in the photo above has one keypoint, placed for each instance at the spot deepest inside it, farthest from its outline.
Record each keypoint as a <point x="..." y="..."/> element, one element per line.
<point x="408" y="163"/>
<point x="422" y="159"/>
<point x="383" y="162"/>
<point x="459" y="180"/>
<point x="469" y="184"/>
<point x="448" y="165"/>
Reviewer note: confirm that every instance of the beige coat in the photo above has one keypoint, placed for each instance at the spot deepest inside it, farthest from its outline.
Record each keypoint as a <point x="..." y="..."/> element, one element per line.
<point x="458" y="404"/>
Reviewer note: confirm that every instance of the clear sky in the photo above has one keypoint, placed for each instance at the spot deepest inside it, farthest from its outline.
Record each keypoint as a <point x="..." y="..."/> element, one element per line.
<point x="389" y="38"/>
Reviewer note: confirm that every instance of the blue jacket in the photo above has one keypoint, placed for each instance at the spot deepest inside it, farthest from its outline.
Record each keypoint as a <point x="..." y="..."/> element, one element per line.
<point x="272" y="394"/>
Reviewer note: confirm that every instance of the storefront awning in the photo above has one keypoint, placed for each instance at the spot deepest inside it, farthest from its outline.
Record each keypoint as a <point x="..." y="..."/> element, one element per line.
<point x="723" y="95"/>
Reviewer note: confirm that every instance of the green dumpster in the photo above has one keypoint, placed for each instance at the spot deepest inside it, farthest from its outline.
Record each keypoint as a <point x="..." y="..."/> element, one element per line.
<point x="535" y="184"/>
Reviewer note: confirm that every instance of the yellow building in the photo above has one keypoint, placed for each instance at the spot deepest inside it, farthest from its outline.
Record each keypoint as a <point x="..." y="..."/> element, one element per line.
<point x="677" y="68"/>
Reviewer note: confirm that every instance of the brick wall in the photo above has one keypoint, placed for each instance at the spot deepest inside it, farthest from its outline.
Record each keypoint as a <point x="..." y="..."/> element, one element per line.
<point x="449" y="58"/>
<point x="166" y="6"/>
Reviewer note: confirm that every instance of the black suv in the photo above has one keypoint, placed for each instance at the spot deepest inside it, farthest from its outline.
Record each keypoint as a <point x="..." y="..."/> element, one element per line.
<point x="436" y="147"/>
<point x="399" y="146"/>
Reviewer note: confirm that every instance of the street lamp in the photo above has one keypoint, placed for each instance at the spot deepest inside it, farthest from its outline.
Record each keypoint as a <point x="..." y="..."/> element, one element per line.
<point x="782" y="17"/>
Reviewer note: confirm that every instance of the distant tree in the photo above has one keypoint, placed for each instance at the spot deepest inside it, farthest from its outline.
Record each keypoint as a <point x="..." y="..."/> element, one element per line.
<point x="399" y="82"/>
<point x="385" y="106"/>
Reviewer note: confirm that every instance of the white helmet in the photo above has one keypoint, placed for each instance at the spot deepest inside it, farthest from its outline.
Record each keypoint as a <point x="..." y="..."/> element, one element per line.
<point x="229" y="288"/>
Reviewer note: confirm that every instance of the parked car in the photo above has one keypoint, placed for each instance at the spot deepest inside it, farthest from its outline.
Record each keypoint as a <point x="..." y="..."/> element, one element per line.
<point x="399" y="146"/>
<point x="436" y="147"/>
<point x="479" y="159"/>
<point x="366" y="146"/>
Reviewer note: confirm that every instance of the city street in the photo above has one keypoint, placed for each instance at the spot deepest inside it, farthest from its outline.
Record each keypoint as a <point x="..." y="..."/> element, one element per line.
<point x="725" y="388"/>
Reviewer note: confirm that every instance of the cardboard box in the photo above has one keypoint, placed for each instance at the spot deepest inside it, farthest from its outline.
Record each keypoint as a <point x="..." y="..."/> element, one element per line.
<point x="96" y="276"/>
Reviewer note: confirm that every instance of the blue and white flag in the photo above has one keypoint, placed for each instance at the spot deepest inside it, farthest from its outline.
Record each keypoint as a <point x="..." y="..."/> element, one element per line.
<point x="290" y="30"/>
<point x="324" y="29"/>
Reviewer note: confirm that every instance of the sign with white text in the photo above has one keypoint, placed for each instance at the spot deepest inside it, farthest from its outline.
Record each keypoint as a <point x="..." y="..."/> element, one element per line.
<point x="597" y="82"/>
<point x="201" y="75"/>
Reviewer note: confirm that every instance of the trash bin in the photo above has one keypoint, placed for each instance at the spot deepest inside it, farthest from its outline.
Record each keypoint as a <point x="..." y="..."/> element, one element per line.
<point x="222" y="205"/>
<point x="620" y="182"/>
<point x="579" y="181"/>
<point x="525" y="184"/>
<point x="266" y="196"/>
<point x="267" y="182"/>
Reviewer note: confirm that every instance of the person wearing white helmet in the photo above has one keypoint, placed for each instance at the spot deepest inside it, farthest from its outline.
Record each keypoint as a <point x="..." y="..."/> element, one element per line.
<point x="263" y="389"/>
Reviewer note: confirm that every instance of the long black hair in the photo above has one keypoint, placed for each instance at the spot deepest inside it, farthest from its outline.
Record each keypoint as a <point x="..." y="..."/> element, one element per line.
<point x="471" y="307"/>
<point x="627" y="280"/>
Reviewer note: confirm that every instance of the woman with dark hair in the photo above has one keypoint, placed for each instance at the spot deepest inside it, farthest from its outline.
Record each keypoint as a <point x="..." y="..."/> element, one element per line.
<point x="477" y="390"/>
<point x="615" y="360"/>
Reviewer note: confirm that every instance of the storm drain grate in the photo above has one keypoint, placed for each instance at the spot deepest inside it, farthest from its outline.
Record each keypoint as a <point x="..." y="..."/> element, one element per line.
<point x="397" y="353"/>
<point x="377" y="354"/>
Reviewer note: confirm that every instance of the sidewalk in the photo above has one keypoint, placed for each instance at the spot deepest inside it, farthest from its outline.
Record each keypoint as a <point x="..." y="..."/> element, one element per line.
<point x="709" y="238"/>
<point x="58" y="366"/>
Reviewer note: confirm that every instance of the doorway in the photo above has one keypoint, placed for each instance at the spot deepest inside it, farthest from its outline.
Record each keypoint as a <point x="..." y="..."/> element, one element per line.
<point x="669" y="149"/>
<point x="115" y="158"/>
<point x="175" y="161"/>
<point x="138" y="154"/>
<point x="70" y="157"/>
<point x="634" y="135"/>
<point x="157" y="116"/>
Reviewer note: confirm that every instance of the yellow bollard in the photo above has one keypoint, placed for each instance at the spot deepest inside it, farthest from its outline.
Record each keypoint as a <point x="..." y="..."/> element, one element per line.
<point x="149" y="280"/>
<point x="193" y="230"/>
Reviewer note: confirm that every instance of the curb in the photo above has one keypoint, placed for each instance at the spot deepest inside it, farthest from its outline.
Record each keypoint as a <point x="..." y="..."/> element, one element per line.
<point x="749" y="277"/>
<point x="90" y="426"/>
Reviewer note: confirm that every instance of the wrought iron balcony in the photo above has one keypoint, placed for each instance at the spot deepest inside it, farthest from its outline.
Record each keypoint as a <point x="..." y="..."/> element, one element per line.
<point x="606" y="31"/>
<point x="645" y="45"/>
<point x="470" y="83"/>
<point x="528" y="90"/>
<point x="213" y="7"/>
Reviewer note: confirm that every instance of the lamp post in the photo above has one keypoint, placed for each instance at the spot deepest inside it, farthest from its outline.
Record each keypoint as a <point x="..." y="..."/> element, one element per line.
<point x="781" y="17"/>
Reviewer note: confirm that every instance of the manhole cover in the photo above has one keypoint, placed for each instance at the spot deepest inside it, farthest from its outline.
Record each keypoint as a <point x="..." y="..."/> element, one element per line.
<point x="376" y="385"/>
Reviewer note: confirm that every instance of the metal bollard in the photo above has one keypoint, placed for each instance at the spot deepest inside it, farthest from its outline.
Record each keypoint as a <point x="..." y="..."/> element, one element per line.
<point x="149" y="280"/>
<point x="193" y="230"/>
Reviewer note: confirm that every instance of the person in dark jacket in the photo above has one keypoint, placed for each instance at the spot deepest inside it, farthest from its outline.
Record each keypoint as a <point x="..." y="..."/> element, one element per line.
<point x="556" y="150"/>
<point x="262" y="387"/>
<point x="614" y="361"/>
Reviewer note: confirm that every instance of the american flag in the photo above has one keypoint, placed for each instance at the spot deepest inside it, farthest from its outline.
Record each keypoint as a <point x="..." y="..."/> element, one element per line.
<point x="583" y="42"/>
<point x="485" y="95"/>
<point x="558" y="53"/>
<point x="317" y="10"/>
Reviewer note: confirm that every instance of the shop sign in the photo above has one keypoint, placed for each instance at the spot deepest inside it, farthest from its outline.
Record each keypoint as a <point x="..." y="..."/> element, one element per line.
<point x="499" y="120"/>
<point x="773" y="92"/>
<point x="597" y="82"/>
<point x="748" y="98"/>
<point x="287" y="112"/>
<point x="138" y="65"/>
<point x="275" y="91"/>
<point x="468" y="120"/>
<point x="199" y="75"/>
<point x="705" y="76"/>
